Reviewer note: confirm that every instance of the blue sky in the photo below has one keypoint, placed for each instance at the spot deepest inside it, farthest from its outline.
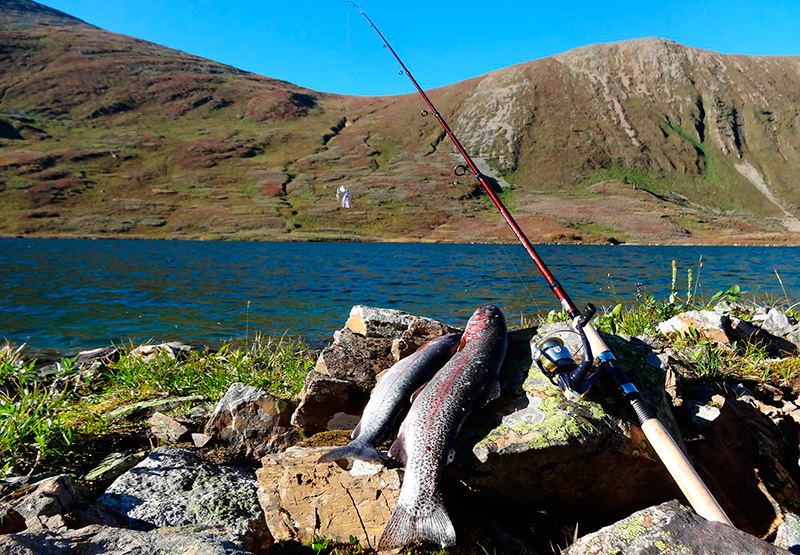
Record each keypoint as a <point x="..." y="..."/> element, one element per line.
<point x="327" y="45"/>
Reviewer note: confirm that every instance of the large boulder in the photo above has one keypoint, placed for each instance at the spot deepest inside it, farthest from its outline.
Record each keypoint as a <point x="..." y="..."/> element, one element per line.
<point x="534" y="450"/>
<point x="373" y="339"/>
<point x="302" y="498"/>
<point x="172" y="487"/>
<point x="670" y="529"/>
<point x="252" y="422"/>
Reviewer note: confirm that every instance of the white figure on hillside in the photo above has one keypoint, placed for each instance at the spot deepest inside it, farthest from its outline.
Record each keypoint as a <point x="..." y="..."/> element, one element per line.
<point x="339" y="192"/>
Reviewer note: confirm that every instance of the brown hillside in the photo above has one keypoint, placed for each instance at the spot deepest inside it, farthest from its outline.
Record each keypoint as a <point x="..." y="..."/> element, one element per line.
<point x="647" y="141"/>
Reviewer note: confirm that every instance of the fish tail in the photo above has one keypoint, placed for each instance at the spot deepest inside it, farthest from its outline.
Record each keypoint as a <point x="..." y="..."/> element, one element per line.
<point x="428" y="523"/>
<point x="353" y="450"/>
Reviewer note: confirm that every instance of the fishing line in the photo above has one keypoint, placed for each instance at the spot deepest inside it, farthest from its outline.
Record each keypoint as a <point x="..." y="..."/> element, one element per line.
<point x="521" y="279"/>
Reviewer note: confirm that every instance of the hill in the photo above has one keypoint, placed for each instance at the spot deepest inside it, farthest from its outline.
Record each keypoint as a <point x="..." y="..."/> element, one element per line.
<point x="641" y="141"/>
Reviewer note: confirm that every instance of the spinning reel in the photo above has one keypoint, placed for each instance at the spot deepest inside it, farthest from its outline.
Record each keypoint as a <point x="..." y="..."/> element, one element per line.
<point x="556" y="361"/>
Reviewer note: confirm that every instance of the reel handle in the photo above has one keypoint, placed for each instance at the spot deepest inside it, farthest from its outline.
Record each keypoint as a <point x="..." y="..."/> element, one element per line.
<point x="587" y="314"/>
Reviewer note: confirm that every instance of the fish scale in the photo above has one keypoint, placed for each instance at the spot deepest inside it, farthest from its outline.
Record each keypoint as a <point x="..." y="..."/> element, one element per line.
<point x="427" y="437"/>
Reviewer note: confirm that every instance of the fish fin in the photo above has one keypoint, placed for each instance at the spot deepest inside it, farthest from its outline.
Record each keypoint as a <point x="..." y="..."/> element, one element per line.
<point x="398" y="449"/>
<point x="427" y="523"/>
<point x="379" y="376"/>
<point x="492" y="391"/>
<point x="353" y="450"/>
<point x="417" y="392"/>
<point x="356" y="430"/>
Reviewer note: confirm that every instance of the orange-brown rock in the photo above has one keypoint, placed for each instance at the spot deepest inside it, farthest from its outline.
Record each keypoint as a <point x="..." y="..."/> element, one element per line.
<point x="302" y="497"/>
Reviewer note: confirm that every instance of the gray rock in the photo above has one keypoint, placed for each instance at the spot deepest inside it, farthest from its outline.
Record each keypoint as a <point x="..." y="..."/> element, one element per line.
<point x="172" y="487"/>
<point x="670" y="529"/>
<point x="789" y="534"/>
<point x="385" y="322"/>
<point x="96" y="539"/>
<point x="252" y="422"/>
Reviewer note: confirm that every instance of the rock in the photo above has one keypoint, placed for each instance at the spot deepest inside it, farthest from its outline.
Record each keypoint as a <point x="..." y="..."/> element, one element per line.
<point x="746" y="461"/>
<point x="167" y="429"/>
<point x="144" y="407"/>
<point x="741" y="331"/>
<point x="789" y="534"/>
<point x="775" y="322"/>
<point x="252" y="422"/>
<point x="114" y="465"/>
<point x="302" y="497"/>
<point x="383" y="322"/>
<point x="201" y="440"/>
<point x="44" y="503"/>
<point x="670" y="529"/>
<point x="172" y="487"/>
<point x="11" y="521"/>
<point x="329" y="404"/>
<point x="189" y="540"/>
<point x="709" y="324"/>
<point x="171" y="350"/>
<point x="373" y="339"/>
<point x="104" y="355"/>
<point x="723" y="328"/>
<point x="534" y="450"/>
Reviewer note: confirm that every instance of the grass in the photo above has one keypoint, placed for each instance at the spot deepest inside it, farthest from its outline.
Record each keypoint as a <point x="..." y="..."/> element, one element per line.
<point x="46" y="422"/>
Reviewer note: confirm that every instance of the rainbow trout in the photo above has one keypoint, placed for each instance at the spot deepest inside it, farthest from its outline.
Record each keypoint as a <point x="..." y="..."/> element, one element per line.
<point x="390" y="398"/>
<point x="427" y="436"/>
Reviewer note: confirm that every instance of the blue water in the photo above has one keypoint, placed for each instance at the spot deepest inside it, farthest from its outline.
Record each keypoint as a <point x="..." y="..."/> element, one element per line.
<point x="65" y="295"/>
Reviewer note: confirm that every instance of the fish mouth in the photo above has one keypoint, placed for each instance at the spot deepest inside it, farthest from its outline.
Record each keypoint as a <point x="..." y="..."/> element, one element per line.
<point x="478" y="322"/>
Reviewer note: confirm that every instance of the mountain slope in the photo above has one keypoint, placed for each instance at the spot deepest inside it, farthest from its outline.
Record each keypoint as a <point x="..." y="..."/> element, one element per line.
<point x="647" y="140"/>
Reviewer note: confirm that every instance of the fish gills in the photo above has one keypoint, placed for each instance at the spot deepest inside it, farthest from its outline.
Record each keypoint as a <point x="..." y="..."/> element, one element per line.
<point x="390" y="398"/>
<point x="427" y="437"/>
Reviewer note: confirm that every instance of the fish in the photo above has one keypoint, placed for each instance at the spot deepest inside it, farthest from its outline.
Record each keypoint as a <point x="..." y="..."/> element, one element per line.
<point x="426" y="442"/>
<point x="390" y="399"/>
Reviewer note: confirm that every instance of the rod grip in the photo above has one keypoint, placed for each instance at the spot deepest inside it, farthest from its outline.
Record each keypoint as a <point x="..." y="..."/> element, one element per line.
<point x="595" y="341"/>
<point x="692" y="486"/>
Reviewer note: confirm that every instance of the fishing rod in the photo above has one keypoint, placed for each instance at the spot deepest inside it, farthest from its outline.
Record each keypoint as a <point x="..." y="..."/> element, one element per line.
<point x="576" y="379"/>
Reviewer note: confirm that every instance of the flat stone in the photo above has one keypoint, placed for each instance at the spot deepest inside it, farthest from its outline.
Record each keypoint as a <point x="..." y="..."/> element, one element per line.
<point x="137" y="409"/>
<point x="114" y="465"/>
<point x="302" y="497"/>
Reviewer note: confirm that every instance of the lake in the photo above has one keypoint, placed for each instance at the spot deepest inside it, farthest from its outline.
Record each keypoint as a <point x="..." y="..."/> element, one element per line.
<point x="66" y="295"/>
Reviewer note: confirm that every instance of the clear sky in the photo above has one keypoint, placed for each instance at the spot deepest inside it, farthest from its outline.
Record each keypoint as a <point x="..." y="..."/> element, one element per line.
<point x="326" y="45"/>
